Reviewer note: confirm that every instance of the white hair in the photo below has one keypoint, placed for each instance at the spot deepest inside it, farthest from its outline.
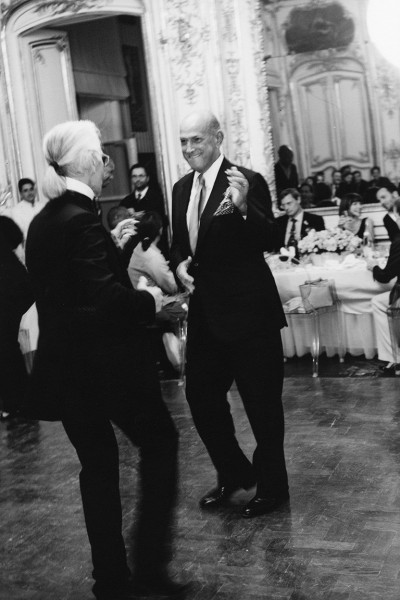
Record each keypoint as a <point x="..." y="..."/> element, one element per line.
<point x="71" y="149"/>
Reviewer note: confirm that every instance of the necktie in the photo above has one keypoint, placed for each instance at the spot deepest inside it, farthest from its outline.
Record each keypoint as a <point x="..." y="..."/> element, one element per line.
<point x="197" y="208"/>
<point x="138" y="195"/>
<point x="292" y="235"/>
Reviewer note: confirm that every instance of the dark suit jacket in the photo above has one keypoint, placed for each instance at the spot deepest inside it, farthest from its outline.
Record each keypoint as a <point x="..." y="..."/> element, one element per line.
<point x="392" y="268"/>
<point x="310" y="221"/>
<point x="235" y="293"/>
<point x="391" y="227"/>
<point x="90" y="350"/>
<point x="16" y="295"/>
<point x="152" y="201"/>
<point x="282" y="181"/>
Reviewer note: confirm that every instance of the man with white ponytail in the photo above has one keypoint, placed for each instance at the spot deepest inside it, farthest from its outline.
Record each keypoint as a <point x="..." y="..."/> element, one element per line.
<point x="93" y="367"/>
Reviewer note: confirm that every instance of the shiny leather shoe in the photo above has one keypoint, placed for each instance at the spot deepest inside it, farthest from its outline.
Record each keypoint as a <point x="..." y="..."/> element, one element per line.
<point x="218" y="496"/>
<point x="261" y="506"/>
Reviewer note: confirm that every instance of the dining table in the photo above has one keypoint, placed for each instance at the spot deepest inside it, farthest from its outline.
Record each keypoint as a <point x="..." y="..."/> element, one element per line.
<point x="355" y="287"/>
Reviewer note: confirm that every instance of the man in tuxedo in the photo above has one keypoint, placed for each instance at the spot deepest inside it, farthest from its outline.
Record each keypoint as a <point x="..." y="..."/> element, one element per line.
<point x="387" y="195"/>
<point x="147" y="197"/>
<point x="222" y="223"/>
<point x="296" y="223"/>
<point x="93" y="366"/>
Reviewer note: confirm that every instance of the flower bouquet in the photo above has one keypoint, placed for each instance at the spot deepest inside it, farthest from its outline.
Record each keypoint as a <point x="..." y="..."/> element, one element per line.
<point x="335" y="240"/>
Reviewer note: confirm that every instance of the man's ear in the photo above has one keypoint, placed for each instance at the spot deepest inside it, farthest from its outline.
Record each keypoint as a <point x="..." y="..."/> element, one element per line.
<point x="220" y="137"/>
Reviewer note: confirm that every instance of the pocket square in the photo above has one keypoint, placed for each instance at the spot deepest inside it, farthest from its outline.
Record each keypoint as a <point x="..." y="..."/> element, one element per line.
<point x="225" y="208"/>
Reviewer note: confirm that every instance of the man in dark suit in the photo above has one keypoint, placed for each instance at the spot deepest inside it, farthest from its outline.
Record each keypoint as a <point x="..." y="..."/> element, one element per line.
<point x="222" y="223"/>
<point x="296" y="223"/>
<point x="147" y="197"/>
<point x="93" y="366"/>
<point x="16" y="297"/>
<point x="387" y="195"/>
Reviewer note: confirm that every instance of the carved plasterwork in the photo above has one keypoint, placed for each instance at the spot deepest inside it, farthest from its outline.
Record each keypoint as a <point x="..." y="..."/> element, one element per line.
<point x="233" y="64"/>
<point x="387" y="88"/>
<point x="61" y="6"/>
<point x="260" y="67"/>
<point x="185" y="38"/>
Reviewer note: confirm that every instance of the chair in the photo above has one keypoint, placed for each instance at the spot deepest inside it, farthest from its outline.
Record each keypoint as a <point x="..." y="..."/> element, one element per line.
<point x="317" y="298"/>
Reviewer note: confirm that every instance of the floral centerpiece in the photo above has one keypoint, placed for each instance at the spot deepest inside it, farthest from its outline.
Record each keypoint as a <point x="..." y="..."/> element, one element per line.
<point x="329" y="240"/>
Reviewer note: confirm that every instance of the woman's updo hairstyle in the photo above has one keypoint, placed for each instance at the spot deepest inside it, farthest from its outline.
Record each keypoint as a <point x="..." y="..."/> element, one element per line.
<point x="70" y="149"/>
<point x="148" y="228"/>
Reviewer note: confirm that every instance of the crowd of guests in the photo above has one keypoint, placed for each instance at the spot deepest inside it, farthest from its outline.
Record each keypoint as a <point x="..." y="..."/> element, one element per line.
<point x="316" y="192"/>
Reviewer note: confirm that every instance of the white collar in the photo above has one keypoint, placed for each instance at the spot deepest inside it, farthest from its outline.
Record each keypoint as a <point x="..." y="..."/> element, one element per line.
<point x="210" y="175"/>
<point x="78" y="186"/>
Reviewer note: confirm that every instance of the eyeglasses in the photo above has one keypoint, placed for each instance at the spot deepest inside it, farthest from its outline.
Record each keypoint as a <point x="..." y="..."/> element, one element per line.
<point x="106" y="159"/>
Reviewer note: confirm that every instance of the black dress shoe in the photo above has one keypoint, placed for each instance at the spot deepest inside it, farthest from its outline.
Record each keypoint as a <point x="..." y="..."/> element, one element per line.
<point x="261" y="506"/>
<point x="387" y="371"/>
<point x="157" y="586"/>
<point x="218" y="496"/>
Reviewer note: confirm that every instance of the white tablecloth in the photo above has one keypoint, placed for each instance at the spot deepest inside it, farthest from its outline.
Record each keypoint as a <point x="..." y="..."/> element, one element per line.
<point x="355" y="288"/>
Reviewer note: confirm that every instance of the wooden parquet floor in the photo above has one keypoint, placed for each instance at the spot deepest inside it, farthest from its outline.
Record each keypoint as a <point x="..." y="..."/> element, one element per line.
<point x="339" y="539"/>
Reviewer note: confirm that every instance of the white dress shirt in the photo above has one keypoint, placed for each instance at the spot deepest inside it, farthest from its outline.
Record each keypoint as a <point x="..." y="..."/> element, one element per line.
<point x="209" y="178"/>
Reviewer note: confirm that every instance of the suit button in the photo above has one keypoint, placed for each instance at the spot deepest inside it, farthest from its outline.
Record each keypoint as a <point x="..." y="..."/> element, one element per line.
<point x="196" y="264"/>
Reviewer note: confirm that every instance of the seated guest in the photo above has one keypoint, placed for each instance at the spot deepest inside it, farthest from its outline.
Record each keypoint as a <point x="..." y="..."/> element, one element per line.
<point x="296" y="223"/>
<point x="285" y="170"/>
<point x="387" y="195"/>
<point x="346" y="186"/>
<point x="381" y="302"/>
<point x="307" y="195"/>
<point x="377" y="181"/>
<point x="148" y="261"/>
<point x="350" y="217"/>
<point x="360" y="185"/>
<point x="336" y="181"/>
<point x="322" y="191"/>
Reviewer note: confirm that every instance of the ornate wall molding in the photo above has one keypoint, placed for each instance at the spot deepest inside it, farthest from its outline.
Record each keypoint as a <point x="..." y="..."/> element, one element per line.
<point x="186" y="37"/>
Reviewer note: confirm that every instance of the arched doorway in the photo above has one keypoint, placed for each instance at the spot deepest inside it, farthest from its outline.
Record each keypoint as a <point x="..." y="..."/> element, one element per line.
<point x="83" y="60"/>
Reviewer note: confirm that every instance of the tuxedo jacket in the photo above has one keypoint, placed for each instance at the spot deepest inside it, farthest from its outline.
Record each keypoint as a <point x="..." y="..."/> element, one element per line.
<point x="391" y="227"/>
<point x="235" y="293"/>
<point x="91" y="343"/>
<point x="310" y="221"/>
<point x="152" y="201"/>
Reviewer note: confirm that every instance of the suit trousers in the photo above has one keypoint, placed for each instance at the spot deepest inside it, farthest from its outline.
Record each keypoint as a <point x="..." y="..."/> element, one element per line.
<point x="256" y="365"/>
<point x="150" y="427"/>
<point x="14" y="376"/>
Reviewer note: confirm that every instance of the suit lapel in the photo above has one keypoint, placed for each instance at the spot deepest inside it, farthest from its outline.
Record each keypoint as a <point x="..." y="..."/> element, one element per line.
<point x="217" y="194"/>
<point x="184" y="197"/>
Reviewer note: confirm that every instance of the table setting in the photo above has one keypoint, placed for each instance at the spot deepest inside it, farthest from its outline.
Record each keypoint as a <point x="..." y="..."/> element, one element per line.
<point x="343" y="260"/>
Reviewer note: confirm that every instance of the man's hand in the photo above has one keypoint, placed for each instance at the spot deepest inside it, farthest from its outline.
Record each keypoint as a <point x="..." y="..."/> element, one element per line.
<point x="186" y="279"/>
<point x="239" y="188"/>
<point x="157" y="294"/>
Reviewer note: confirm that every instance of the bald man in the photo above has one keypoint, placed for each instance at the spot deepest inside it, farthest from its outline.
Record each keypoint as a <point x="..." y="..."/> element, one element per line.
<point x="222" y="224"/>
